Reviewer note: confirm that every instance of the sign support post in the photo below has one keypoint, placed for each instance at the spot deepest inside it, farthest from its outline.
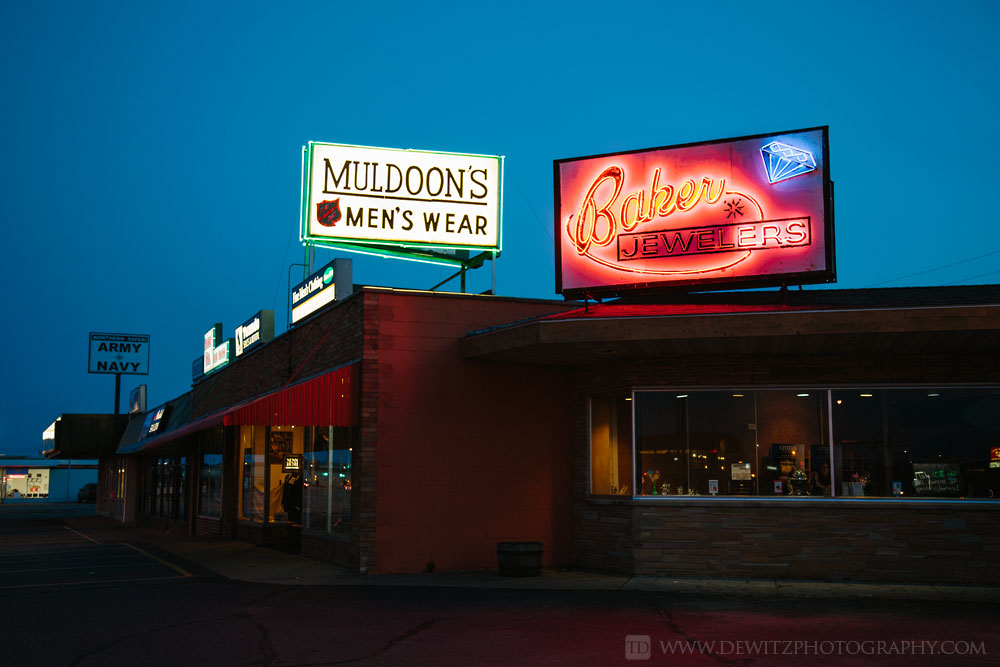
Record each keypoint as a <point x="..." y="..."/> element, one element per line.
<point x="118" y="391"/>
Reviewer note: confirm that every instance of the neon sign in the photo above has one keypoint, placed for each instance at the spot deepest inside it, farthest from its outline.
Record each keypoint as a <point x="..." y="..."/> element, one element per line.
<point x="748" y="211"/>
<point x="362" y="198"/>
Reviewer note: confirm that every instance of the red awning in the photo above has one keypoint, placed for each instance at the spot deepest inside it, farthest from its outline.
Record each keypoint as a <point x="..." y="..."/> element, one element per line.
<point x="328" y="400"/>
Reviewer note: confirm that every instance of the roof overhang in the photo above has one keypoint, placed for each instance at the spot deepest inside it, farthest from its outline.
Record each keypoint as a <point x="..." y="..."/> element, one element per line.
<point x="83" y="436"/>
<point x="607" y="332"/>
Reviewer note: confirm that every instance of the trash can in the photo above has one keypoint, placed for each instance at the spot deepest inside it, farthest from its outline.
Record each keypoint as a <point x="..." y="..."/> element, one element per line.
<point x="519" y="559"/>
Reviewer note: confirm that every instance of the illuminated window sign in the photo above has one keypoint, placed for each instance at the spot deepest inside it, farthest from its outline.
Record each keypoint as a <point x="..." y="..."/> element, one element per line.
<point x="216" y="350"/>
<point x="313" y="293"/>
<point x="291" y="463"/>
<point x="123" y="354"/>
<point x="357" y="196"/>
<point x="155" y="421"/>
<point x="256" y="331"/>
<point x="743" y="212"/>
<point x="995" y="457"/>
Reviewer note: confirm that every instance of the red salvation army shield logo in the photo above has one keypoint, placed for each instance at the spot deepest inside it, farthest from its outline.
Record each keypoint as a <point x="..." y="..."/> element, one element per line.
<point x="328" y="212"/>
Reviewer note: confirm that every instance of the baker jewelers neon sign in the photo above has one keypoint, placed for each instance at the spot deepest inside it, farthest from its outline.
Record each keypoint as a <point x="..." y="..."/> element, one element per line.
<point x="693" y="213"/>
<point x="599" y="220"/>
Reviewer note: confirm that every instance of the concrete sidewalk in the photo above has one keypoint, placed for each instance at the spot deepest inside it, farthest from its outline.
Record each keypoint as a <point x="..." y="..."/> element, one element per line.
<point x="246" y="562"/>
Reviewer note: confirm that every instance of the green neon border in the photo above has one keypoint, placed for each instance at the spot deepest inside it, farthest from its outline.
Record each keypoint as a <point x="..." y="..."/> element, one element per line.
<point x="427" y="256"/>
<point x="391" y="248"/>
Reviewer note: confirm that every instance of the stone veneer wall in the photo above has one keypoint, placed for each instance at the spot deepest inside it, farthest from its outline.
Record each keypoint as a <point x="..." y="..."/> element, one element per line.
<point x="851" y="540"/>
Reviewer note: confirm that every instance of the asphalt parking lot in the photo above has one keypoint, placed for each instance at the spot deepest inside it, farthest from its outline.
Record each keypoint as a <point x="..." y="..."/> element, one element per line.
<point x="45" y="552"/>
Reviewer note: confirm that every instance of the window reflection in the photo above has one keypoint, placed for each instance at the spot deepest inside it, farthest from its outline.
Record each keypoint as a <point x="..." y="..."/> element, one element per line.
<point x="911" y="443"/>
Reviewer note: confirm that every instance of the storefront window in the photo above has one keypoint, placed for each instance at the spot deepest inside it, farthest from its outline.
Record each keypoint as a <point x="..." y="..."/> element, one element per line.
<point x="210" y="483"/>
<point x="168" y="476"/>
<point x="252" y="477"/>
<point x="327" y="483"/>
<point x="284" y="459"/>
<point x="792" y="438"/>
<point x="25" y="483"/>
<point x="909" y="443"/>
<point x="163" y="488"/>
<point x="917" y="443"/>
<point x="611" y="446"/>
<point x="271" y="481"/>
<point x="180" y="484"/>
<point x="706" y="443"/>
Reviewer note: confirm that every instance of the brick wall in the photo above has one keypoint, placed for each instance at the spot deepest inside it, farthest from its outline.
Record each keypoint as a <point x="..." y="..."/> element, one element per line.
<point x="468" y="453"/>
<point x="327" y="341"/>
<point x="450" y="457"/>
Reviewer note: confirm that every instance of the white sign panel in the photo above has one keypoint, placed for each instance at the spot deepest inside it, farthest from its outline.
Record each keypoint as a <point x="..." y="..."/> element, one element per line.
<point x="313" y="293"/>
<point x="356" y="195"/>
<point x="124" y="354"/>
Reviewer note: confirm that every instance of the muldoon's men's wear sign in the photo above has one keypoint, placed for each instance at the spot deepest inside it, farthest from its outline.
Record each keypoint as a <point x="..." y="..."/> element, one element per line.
<point x="734" y="213"/>
<point x="123" y="354"/>
<point x="380" y="199"/>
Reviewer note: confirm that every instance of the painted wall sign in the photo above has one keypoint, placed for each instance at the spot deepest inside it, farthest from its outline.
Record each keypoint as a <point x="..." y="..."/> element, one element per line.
<point x="737" y="212"/>
<point x="125" y="354"/>
<point x="356" y="196"/>
<point x="216" y="351"/>
<point x="256" y="331"/>
<point x="313" y="293"/>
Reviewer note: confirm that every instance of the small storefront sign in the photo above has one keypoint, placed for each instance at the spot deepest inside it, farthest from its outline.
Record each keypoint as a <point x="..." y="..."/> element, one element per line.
<point x="256" y="331"/>
<point x="216" y="350"/>
<point x="316" y="291"/>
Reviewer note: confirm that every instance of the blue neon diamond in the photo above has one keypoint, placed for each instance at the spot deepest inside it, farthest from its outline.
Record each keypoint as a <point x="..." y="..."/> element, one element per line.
<point x="783" y="161"/>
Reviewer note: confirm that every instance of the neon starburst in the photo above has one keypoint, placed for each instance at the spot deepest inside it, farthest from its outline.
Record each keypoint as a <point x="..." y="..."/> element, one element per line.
<point x="734" y="207"/>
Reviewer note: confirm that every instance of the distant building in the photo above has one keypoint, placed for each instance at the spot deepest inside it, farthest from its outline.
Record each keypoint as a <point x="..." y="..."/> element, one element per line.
<point x="33" y="480"/>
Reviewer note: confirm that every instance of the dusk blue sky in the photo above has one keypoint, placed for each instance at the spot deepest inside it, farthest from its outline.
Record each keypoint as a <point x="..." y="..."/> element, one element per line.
<point x="151" y="151"/>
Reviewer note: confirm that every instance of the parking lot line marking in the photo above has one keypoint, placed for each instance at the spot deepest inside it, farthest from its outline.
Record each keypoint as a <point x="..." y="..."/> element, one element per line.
<point x="173" y="567"/>
<point x="88" y="537"/>
<point x="89" y="582"/>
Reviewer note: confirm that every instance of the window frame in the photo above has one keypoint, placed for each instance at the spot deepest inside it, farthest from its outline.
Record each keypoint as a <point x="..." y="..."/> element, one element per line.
<point x="828" y="390"/>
